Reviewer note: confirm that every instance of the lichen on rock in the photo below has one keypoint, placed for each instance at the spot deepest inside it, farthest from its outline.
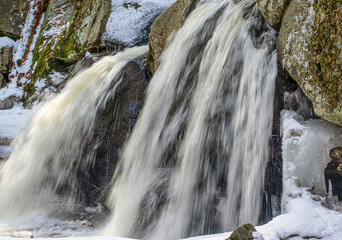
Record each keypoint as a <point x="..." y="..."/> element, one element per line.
<point x="244" y="232"/>
<point x="309" y="46"/>
<point x="273" y="10"/>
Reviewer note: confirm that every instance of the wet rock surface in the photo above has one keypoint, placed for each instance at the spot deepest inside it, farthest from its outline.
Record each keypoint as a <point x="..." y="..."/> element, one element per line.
<point x="113" y="125"/>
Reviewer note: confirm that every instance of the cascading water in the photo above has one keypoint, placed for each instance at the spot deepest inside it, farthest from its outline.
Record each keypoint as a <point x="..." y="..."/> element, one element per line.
<point x="45" y="159"/>
<point x="195" y="161"/>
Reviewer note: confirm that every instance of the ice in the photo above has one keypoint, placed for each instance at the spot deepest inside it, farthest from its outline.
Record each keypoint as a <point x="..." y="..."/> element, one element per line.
<point x="130" y="19"/>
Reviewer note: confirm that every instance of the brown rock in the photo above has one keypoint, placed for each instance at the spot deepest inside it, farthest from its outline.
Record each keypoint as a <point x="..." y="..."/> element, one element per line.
<point x="169" y="21"/>
<point x="273" y="10"/>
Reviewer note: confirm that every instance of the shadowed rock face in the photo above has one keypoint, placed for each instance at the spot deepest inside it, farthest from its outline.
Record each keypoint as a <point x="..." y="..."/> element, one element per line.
<point x="12" y="17"/>
<point x="333" y="172"/>
<point x="113" y="125"/>
<point x="6" y="56"/>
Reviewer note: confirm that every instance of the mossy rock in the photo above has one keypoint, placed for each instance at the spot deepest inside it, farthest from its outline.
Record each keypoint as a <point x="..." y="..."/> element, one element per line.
<point x="85" y="30"/>
<point x="69" y="29"/>
<point x="244" y="232"/>
<point x="310" y="48"/>
<point x="170" y="20"/>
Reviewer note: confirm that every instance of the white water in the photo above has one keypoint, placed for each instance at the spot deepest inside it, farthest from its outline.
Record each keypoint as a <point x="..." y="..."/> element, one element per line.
<point x="45" y="158"/>
<point x="196" y="159"/>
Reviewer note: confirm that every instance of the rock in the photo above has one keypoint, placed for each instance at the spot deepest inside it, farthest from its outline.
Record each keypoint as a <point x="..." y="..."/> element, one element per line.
<point x="333" y="172"/>
<point x="2" y="80"/>
<point x="8" y="103"/>
<point x="70" y="28"/>
<point x="113" y="125"/>
<point x="6" y="56"/>
<point x="273" y="10"/>
<point x="87" y="24"/>
<point x="169" y="21"/>
<point x="12" y="17"/>
<point x="244" y="232"/>
<point x="310" y="48"/>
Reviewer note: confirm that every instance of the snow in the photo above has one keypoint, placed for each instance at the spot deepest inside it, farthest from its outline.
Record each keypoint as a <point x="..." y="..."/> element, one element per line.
<point x="130" y="19"/>
<point x="13" y="121"/>
<point x="12" y="88"/>
<point x="6" y="42"/>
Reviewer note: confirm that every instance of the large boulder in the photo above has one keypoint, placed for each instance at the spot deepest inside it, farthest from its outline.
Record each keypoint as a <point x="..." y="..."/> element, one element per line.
<point x="169" y="21"/>
<point x="12" y="17"/>
<point x="310" y="48"/>
<point x="6" y="56"/>
<point x="273" y="10"/>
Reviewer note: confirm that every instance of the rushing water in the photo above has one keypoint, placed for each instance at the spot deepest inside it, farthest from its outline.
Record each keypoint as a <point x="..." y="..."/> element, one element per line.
<point x="46" y="158"/>
<point x="195" y="162"/>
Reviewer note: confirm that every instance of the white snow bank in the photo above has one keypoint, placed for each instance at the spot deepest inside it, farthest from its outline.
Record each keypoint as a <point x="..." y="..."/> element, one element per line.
<point x="6" y="42"/>
<point x="130" y="19"/>
<point x="13" y="121"/>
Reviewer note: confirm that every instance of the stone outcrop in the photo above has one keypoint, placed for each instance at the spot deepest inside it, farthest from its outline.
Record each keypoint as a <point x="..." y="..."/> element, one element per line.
<point x="70" y="28"/>
<point x="273" y="10"/>
<point x="244" y="232"/>
<point x="12" y="17"/>
<point x="310" y="48"/>
<point x="169" y="21"/>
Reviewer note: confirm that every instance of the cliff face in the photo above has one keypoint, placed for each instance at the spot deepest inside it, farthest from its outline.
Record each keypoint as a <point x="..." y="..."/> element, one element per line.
<point x="310" y="48"/>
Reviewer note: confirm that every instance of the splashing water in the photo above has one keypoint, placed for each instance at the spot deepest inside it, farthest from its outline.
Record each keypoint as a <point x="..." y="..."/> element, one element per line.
<point x="195" y="162"/>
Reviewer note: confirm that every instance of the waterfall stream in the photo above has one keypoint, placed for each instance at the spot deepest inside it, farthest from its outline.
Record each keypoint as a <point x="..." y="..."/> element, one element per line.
<point x="195" y="161"/>
<point x="45" y="158"/>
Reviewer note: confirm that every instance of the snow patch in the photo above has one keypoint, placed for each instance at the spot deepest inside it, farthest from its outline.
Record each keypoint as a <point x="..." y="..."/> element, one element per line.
<point x="6" y="42"/>
<point x="130" y="20"/>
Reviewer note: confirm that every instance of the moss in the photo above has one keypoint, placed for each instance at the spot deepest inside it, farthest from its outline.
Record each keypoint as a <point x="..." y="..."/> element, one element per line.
<point x="70" y="46"/>
<point x="6" y="34"/>
<point x="326" y="70"/>
<point x="150" y="62"/>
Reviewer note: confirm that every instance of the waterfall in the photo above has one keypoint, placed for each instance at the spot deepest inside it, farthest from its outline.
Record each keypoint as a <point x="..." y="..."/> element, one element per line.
<point x="195" y="161"/>
<point x="46" y="158"/>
